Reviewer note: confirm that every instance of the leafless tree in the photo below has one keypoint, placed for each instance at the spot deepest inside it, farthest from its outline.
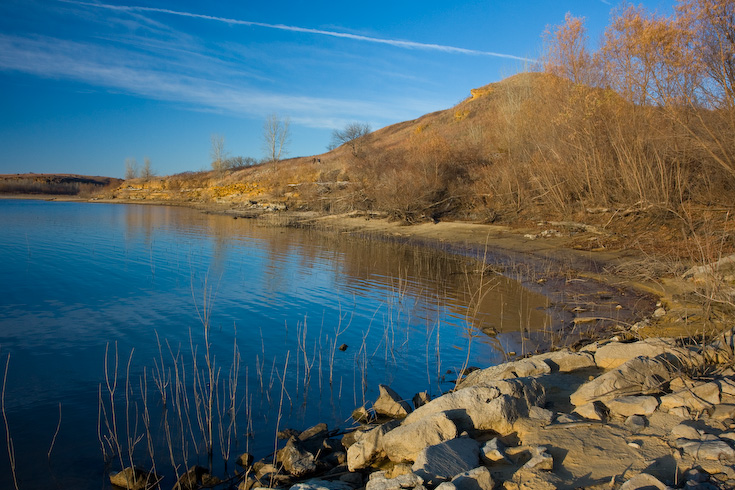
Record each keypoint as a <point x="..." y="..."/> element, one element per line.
<point x="353" y="133"/>
<point x="217" y="152"/>
<point x="131" y="168"/>
<point x="147" y="172"/>
<point x="276" y="137"/>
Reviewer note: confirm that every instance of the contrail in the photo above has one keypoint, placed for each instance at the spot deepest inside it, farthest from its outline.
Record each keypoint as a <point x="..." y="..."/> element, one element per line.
<point x="391" y="42"/>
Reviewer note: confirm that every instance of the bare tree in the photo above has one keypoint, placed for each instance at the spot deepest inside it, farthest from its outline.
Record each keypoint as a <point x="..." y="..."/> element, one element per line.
<point x="353" y="133"/>
<point x="131" y="168"/>
<point x="217" y="152"/>
<point x="276" y="137"/>
<point x="147" y="172"/>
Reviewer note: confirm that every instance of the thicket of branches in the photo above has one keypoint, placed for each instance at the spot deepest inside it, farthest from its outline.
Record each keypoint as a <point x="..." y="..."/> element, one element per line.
<point x="645" y="121"/>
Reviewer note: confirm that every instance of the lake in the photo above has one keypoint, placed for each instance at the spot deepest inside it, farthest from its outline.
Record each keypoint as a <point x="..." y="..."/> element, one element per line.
<point x="126" y="329"/>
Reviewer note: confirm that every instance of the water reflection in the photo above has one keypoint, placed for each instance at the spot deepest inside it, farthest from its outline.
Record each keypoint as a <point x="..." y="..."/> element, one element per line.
<point x="80" y="279"/>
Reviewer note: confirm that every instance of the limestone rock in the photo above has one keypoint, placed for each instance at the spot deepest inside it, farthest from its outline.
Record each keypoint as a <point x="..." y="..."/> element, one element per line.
<point x="566" y="361"/>
<point x="245" y="460"/>
<point x="390" y="404"/>
<point x="195" y="478"/>
<point x="643" y="481"/>
<point x="540" y="460"/>
<point x="369" y="447"/>
<point x="378" y="481"/>
<point x="493" y="406"/>
<point x="316" y="484"/>
<point x="516" y="369"/>
<point x="493" y="451"/>
<point x="701" y="446"/>
<point x="626" y="406"/>
<point x="134" y="479"/>
<point x="445" y="460"/>
<point x="592" y="411"/>
<point x="420" y="399"/>
<point x="296" y="460"/>
<point x="475" y="479"/>
<point x="615" y="354"/>
<point x="637" y="376"/>
<point x="404" y="443"/>
<point x="635" y="423"/>
<point x="699" y="397"/>
<point x="542" y="414"/>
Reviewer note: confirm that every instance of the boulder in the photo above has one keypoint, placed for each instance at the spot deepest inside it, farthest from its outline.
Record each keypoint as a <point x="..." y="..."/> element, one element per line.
<point x="614" y="354"/>
<point x="492" y="406"/>
<point x="369" y="446"/>
<point x="420" y="399"/>
<point x="592" y="411"/>
<point x="296" y="460"/>
<point x="134" y="479"/>
<point x="540" y="460"/>
<point x="636" y="423"/>
<point x="522" y="368"/>
<point x="196" y="477"/>
<point x="403" y="443"/>
<point x="699" y="397"/>
<point x="625" y="406"/>
<point x="493" y="451"/>
<point x="316" y="484"/>
<point x="638" y="376"/>
<point x="565" y="361"/>
<point x="390" y="404"/>
<point x="378" y="481"/>
<point x="475" y="479"/>
<point x="443" y="461"/>
<point x="643" y="481"/>
<point x="700" y="445"/>
<point x="541" y="414"/>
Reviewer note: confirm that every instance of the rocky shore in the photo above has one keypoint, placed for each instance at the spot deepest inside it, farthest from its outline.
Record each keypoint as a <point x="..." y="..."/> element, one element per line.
<point x="654" y="413"/>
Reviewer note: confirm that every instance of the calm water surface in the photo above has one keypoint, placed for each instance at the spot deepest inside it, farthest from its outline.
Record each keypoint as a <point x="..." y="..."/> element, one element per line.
<point x="82" y="284"/>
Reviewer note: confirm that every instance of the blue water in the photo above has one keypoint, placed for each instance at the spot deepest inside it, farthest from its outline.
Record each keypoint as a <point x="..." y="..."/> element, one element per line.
<point x="80" y="282"/>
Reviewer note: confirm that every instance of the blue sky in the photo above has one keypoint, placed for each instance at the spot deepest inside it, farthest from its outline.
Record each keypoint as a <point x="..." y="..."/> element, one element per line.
<point x="85" y="85"/>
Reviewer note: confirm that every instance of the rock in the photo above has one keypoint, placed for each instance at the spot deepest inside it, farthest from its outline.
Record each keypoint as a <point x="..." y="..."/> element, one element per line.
<point x="287" y="434"/>
<point x="421" y="399"/>
<point x="134" y="479"/>
<point x="475" y="479"/>
<point x="390" y="404"/>
<point x="643" y="481"/>
<point x="592" y="411"/>
<point x="626" y="406"/>
<point x="615" y="354"/>
<point x="566" y="361"/>
<point x="494" y="406"/>
<point x="369" y="447"/>
<point x="319" y="431"/>
<point x="695" y="475"/>
<point x="540" y="460"/>
<point x="245" y="460"/>
<point x="316" y="484"/>
<point x="684" y="431"/>
<point x="296" y="460"/>
<point x="638" y="376"/>
<point x="378" y="481"/>
<point x="566" y="418"/>
<point x="681" y="412"/>
<point x="712" y="449"/>
<point x="363" y="415"/>
<point x="660" y="312"/>
<point x="404" y="443"/>
<point x="723" y="411"/>
<point x="700" y="397"/>
<point x="635" y="423"/>
<point x="444" y="460"/>
<point x="493" y="451"/>
<point x="515" y="369"/>
<point x="542" y="414"/>
<point x="196" y="477"/>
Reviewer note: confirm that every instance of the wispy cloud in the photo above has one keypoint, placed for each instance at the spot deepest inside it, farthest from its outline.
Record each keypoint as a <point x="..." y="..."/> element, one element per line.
<point x="355" y="37"/>
<point x="143" y="76"/>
